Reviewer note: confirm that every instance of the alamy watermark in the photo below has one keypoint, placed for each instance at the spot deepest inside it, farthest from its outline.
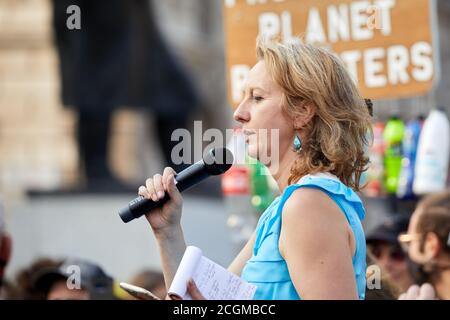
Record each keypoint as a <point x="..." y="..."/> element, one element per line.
<point x="73" y="22"/>
<point x="373" y="280"/>
<point x="190" y="145"/>
<point x="73" y="281"/>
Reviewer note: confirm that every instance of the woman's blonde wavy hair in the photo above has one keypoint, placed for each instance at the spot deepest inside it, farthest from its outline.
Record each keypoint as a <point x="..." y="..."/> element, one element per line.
<point x="340" y="130"/>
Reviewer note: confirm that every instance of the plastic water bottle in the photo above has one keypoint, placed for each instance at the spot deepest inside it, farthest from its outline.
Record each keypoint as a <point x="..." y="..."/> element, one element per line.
<point x="410" y="144"/>
<point x="374" y="175"/>
<point x="262" y="193"/>
<point x="433" y="154"/>
<point x="393" y="136"/>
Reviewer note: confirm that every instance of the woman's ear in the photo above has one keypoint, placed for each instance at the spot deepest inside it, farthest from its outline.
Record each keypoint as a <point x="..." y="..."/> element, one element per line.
<point x="304" y="113"/>
<point x="432" y="246"/>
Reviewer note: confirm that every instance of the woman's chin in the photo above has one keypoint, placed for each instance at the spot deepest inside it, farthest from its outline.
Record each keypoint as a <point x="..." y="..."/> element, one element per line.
<point x="252" y="151"/>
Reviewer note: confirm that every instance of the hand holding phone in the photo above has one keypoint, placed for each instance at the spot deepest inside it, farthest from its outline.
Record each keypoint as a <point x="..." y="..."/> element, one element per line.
<point x="138" y="292"/>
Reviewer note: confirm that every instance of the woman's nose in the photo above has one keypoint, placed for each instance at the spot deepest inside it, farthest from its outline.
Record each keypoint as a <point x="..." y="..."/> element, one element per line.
<point x="241" y="115"/>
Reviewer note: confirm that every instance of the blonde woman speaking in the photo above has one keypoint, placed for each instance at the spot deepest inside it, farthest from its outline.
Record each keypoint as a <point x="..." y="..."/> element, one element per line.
<point x="309" y="243"/>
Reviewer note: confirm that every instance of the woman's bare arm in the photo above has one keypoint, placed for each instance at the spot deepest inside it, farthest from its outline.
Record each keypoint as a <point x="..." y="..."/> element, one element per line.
<point x="165" y="221"/>
<point x="241" y="259"/>
<point x="316" y="242"/>
<point x="171" y="249"/>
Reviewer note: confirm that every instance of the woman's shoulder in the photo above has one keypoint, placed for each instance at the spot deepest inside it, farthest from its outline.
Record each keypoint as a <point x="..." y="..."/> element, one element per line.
<point x="311" y="204"/>
<point x="310" y="191"/>
<point x="310" y="218"/>
<point x="320" y="199"/>
<point x="322" y="190"/>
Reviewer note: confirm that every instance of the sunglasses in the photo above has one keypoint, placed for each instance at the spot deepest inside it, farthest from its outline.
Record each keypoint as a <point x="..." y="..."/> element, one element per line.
<point x="394" y="252"/>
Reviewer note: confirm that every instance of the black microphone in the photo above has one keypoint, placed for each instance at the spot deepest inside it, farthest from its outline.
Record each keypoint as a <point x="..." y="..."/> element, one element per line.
<point x="215" y="162"/>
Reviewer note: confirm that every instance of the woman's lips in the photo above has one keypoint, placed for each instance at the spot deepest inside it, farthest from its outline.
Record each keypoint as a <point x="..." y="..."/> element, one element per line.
<point x="247" y="134"/>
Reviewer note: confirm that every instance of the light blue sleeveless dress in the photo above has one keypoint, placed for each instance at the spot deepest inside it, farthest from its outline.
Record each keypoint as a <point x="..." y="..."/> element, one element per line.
<point x="268" y="270"/>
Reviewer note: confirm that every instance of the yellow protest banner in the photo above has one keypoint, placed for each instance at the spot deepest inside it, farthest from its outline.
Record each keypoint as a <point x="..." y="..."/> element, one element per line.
<point x="387" y="45"/>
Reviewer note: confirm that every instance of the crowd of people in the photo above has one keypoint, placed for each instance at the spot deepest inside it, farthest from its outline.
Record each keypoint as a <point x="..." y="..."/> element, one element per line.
<point x="53" y="279"/>
<point x="70" y="278"/>
<point x="412" y="252"/>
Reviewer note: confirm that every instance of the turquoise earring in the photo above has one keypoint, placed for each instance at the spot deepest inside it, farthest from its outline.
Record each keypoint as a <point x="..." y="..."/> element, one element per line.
<point x="297" y="143"/>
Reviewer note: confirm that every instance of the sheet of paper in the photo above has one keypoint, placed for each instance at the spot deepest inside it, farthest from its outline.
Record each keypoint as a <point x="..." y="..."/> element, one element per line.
<point x="214" y="281"/>
<point x="191" y="258"/>
<point x="217" y="283"/>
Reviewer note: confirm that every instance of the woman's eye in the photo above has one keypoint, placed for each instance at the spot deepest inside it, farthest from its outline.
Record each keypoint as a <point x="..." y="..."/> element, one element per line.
<point x="257" y="98"/>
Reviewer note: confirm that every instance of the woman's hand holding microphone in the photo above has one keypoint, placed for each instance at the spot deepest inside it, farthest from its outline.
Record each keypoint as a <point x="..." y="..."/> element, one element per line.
<point x="166" y="224"/>
<point x="165" y="219"/>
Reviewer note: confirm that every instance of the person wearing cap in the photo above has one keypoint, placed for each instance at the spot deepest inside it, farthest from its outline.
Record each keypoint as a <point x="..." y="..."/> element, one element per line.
<point x="75" y="279"/>
<point x="427" y="243"/>
<point x="383" y="243"/>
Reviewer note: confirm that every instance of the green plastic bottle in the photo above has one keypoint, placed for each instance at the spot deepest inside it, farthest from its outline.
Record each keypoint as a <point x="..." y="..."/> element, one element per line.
<point x="393" y="134"/>
<point x="262" y="193"/>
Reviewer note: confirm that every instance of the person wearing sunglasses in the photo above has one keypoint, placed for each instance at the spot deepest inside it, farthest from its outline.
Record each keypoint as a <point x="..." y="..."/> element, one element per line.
<point x="383" y="244"/>
<point x="427" y="243"/>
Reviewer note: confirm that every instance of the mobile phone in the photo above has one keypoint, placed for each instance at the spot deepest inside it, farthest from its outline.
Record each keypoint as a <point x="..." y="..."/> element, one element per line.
<point x="138" y="292"/>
